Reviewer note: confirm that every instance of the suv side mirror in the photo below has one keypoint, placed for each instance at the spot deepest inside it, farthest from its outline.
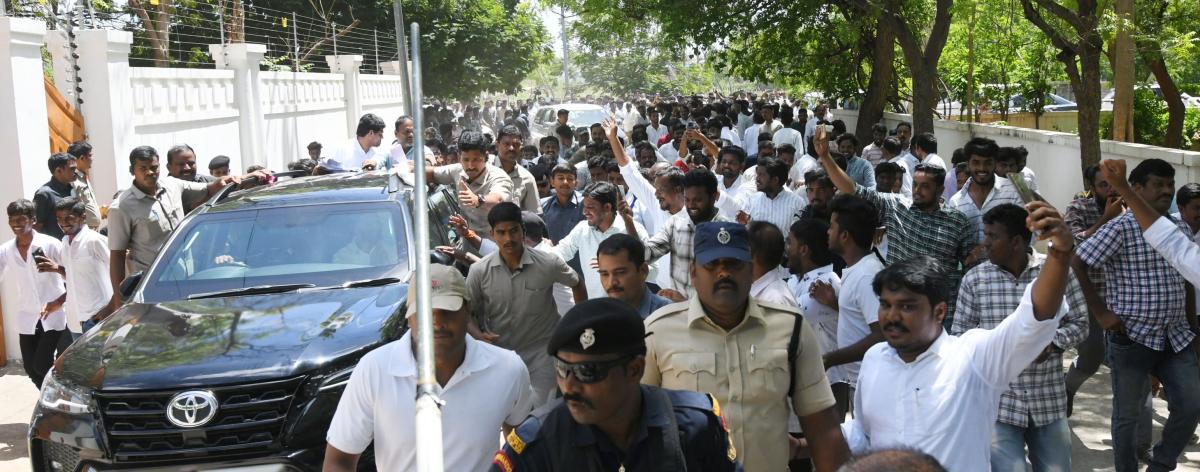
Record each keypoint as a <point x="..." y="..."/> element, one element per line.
<point x="129" y="284"/>
<point x="439" y="258"/>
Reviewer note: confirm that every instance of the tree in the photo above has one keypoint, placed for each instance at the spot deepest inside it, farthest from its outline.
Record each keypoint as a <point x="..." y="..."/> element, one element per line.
<point x="922" y="58"/>
<point x="1164" y="23"/>
<point x="1075" y="34"/>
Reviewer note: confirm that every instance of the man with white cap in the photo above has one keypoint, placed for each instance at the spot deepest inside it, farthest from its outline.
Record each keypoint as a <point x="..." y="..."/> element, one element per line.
<point x="485" y="389"/>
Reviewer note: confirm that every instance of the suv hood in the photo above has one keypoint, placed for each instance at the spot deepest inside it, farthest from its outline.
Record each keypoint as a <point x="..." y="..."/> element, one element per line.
<point x="208" y="342"/>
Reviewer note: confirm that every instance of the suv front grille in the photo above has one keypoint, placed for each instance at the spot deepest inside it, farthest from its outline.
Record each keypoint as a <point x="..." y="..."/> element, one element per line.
<point x="249" y="420"/>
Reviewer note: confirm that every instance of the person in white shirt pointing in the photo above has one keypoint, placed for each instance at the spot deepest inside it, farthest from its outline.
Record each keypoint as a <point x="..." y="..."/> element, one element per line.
<point x="939" y="393"/>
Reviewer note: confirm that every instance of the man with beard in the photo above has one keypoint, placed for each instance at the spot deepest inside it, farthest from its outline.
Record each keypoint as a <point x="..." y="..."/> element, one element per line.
<point x="181" y="164"/>
<point x="606" y="419"/>
<point x="512" y="290"/>
<point x="984" y="190"/>
<point x="486" y="389"/>
<point x="602" y="203"/>
<point x="773" y="203"/>
<point x="480" y="185"/>
<point x="727" y="343"/>
<point x="621" y="262"/>
<point x="925" y="227"/>
<point x="700" y="197"/>
<point x="731" y="164"/>
<point x="940" y="393"/>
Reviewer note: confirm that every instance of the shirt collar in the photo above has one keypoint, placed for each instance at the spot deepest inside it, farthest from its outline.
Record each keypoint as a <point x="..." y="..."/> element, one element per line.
<point x="813" y="274"/>
<point x="58" y="186"/>
<point x="696" y="313"/>
<point x="137" y="192"/>
<point x="498" y="261"/>
<point x="404" y="364"/>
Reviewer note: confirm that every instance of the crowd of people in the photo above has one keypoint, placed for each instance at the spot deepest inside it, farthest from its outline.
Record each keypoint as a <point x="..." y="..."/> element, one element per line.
<point x="713" y="283"/>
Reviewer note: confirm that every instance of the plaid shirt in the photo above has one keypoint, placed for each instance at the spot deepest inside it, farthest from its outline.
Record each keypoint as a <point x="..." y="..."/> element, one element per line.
<point x="676" y="237"/>
<point x="988" y="295"/>
<point x="944" y="234"/>
<point x="1143" y="289"/>
<point x="1002" y="192"/>
<point x="1082" y="214"/>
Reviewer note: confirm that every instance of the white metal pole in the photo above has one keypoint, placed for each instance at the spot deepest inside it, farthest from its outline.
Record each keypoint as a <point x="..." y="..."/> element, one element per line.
<point x="428" y="406"/>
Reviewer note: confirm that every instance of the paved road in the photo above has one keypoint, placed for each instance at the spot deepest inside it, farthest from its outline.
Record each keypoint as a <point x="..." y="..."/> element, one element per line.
<point x="1091" y="447"/>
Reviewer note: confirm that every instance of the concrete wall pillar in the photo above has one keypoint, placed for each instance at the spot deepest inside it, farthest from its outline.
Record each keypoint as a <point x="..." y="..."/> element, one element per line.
<point x="24" y="128"/>
<point x="244" y="59"/>
<point x="348" y="65"/>
<point x="107" y="107"/>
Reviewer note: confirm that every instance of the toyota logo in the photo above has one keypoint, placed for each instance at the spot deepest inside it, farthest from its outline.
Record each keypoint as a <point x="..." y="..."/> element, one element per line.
<point x="192" y="408"/>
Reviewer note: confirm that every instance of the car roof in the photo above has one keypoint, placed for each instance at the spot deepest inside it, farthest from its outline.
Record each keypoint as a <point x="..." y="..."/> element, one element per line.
<point x="342" y="187"/>
<point x="575" y="106"/>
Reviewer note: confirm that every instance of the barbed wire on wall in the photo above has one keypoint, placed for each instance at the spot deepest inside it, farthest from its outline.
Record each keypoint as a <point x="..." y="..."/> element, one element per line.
<point x="293" y="40"/>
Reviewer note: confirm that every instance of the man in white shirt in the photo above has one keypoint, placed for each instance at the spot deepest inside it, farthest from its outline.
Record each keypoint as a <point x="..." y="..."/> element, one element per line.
<point x="750" y="137"/>
<point x="601" y="207"/>
<point x="924" y="148"/>
<point x="766" y="254"/>
<point x="788" y="135"/>
<point x="894" y="152"/>
<point x="401" y="152"/>
<point x="84" y="264"/>
<point x="362" y="149"/>
<point x="773" y="202"/>
<point x="769" y="125"/>
<point x="39" y="313"/>
<point x="485" y="389"/>
<point x="852" y="224"/>
<point x="731" y="165"/>
<point x="984" y="190"/>
<point x="655" y="130"/>
<point x="938" y="393"/>
<point x="811" y="264"/>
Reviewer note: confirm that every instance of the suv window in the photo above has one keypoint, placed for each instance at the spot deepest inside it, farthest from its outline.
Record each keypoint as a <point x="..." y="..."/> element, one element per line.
<point x="318" y="244"/>
<point x="442" y="206"/>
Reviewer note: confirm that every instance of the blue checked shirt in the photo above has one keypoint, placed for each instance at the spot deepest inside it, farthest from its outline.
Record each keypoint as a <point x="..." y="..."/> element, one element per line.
<point x="1142" y="288"/>
<point x="988" y="295"/>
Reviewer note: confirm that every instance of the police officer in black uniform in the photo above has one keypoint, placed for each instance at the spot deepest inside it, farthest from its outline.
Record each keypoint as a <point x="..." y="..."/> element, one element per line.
<point x="608" y="421"/>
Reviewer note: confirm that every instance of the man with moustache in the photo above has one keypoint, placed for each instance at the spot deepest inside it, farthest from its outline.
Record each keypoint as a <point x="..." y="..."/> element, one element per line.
<point x="940" y="393"/>
<point x="508" y="151"/>
<point x="486" y="390"/>
<point x="512" y="290"/>
<point x="984" y="190"/>
<point x="621" y="262"/>
<point x="605" y="214"/>
<point x="480" y="185"/>
<point x="758" y="357"/>
<point x="676" y="236"/>
<point x="606" y="420"/>
<point x="181" y="164"/>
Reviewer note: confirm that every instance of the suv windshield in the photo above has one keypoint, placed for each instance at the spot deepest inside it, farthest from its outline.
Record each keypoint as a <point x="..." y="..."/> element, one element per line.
<point x="320" y="245"/>
<point x="587" y="117"/>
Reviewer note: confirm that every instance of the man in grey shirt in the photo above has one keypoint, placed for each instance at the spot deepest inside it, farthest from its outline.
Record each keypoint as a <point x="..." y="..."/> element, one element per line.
<point x="181" y="164"/>
<point x="479" y="185"/>
<point x="145" y="214"/>
<point x="512" y="296"/>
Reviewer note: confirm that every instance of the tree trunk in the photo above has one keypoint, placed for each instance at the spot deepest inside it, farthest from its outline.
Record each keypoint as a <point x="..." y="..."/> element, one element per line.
<point x="1175" y="108"/>
<point x="925" y="97"/>
<point x="1087" y="95"/>
<point x="156" y="21"/>
<point x="922" y="60"/>
<point x="1123" y="72"/>
<point x="882" y="57"/>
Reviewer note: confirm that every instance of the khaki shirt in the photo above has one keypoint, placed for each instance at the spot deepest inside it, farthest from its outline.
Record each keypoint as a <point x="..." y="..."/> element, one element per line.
<point x="525" y="191"/>
<point x="519" y="304"/>
<point x="83" y="190"/>
<point x="745" y="368"/>
<point x="141" y="223"/>
<point x="493" y="180"/>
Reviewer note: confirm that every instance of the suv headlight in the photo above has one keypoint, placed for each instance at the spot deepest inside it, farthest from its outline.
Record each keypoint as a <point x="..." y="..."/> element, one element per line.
<point x="65" y="398"/>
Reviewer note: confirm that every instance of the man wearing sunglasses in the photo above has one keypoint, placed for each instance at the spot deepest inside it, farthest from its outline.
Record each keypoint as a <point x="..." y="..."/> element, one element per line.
<point x="607" y="420"/>
<point x="756" y="357"/>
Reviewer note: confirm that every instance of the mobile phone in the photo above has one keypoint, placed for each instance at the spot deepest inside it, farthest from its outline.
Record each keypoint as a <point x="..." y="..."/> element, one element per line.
<point x="1027" y="194"/>
<point x="37" y="252"/>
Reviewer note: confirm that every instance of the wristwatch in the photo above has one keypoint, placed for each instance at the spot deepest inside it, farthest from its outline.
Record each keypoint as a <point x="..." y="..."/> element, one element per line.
<point x="478" y="200"/>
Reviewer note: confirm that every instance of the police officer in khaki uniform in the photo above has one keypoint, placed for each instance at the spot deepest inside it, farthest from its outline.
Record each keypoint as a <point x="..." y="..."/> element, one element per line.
<point x="607" y="421"/>
<point x="755" y="357"/>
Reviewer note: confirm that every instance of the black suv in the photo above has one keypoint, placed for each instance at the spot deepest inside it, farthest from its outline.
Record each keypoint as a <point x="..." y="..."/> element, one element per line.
<point x="234" y="347"/>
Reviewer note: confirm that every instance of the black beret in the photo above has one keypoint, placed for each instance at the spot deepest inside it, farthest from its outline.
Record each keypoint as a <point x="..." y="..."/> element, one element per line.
<point x="599" y="326"/>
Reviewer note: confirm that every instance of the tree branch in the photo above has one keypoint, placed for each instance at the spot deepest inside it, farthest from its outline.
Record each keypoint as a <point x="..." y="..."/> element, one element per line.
<point x="1066" y="15"/>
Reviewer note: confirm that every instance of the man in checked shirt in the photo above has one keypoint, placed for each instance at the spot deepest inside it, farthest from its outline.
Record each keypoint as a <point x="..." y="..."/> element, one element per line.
<point x="1033" y="411"/>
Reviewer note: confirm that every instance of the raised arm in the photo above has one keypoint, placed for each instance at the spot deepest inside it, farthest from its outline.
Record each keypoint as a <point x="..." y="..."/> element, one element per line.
<point x="1114" y="173"/>
<point x="840" y="178"/>
<point x="610" y="130"/>
<point x="1051" y="284"/>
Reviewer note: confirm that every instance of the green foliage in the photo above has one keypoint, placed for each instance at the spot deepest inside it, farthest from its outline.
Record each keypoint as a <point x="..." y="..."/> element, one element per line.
<point x="1150" y="119"/>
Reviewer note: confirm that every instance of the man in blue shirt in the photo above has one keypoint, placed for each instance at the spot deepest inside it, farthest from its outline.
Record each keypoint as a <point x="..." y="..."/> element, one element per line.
<point x="621" y="261"/>
<point x="563" y="209"/>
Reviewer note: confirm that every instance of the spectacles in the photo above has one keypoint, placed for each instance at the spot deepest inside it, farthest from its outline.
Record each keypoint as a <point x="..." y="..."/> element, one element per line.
<point x="587" y="372"/>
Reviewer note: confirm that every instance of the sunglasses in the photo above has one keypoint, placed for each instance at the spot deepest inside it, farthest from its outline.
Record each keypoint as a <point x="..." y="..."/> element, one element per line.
<point x="587" y="372"/>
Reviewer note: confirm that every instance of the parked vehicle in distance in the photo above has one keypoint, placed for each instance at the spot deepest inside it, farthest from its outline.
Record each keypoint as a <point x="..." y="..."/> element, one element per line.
<point x="233" y="349"/>
<point x="545" y="119"/>
<point x="1053" y="102"/>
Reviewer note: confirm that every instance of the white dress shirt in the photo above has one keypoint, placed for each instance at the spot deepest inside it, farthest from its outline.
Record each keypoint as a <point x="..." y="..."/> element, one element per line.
<point x="1002" y="192"/>
<point x="821" y="317"/>
<point x="584" y="240"/>
<point x="1179" y="249"/>
<point x="771" y="288"/>
<point x="909" y="163"/>
<point x="37" y="288"/>
<point x="781" y="211"/>
<point x="730" y="135"/>
<point x="788" y="135"/>
<point x="801" y="166"/>
<point x="490" y="388"/>
<point x="859" y="307"/>
<point x="741" y="189"/>
<point x="946" y="401"/>
<point x="652" y="215"/>
<point x="351" y="156"/>
<point x="654" y="134"/>
<point x="85" y="258"/>
<point x="750" y="140"/>
<point x="1030" y="178"/>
